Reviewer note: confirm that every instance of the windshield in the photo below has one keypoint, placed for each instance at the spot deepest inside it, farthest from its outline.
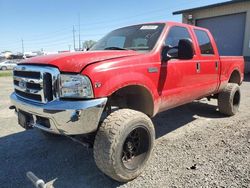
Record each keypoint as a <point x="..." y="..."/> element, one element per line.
<point x="139" y="37"/>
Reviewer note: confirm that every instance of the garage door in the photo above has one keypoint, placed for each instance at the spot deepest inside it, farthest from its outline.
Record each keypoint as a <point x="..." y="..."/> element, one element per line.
<point x="228" y="32"/>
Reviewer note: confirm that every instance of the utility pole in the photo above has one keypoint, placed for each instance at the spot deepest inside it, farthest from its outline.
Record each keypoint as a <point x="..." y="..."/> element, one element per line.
<point x="79" y="28"/>
<point x="22" y="47"/>
<point x="74" y="40"/>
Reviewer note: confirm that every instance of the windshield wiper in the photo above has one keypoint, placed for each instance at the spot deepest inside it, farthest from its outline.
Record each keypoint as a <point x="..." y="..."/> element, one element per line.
<point x="138" y="48"/>
<point x="114" y="48"/>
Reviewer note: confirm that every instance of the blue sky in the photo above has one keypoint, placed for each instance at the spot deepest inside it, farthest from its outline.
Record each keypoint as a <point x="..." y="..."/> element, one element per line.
<point x="48" y="24"/>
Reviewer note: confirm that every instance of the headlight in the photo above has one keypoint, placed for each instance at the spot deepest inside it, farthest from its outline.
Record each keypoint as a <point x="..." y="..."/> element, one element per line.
<point x="75" y="86"/>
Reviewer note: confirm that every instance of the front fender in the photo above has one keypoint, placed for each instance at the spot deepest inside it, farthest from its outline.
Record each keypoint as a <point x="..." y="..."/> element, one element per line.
<point x="106" y="82"/>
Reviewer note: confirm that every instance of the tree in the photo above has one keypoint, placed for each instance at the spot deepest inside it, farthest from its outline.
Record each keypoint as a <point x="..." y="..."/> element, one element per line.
<point x="87" y="44"/>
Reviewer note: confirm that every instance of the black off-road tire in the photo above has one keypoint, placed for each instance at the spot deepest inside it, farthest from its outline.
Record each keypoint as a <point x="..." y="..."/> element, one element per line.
<point x="229" y="99"/>
<point x="111" y="144"/>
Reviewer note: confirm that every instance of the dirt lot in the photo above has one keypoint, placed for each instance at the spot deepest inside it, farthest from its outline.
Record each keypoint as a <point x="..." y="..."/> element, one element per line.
<point x="195" y="147"/>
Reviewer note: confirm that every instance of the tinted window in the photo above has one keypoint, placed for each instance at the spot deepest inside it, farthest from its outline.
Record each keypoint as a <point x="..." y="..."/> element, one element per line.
<point x="175" y="34"/>
<point x="139" y="42"/>
<point x="204" y="42"/>
<point x="117" y="41"/>
<point x="137" y="37"/>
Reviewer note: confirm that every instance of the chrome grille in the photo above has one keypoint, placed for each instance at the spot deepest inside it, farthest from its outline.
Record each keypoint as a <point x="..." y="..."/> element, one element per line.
<point x="36" y="83"/>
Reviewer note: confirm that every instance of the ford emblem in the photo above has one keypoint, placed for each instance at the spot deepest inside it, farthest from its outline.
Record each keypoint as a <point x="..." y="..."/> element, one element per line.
<point x="22" y="84"/>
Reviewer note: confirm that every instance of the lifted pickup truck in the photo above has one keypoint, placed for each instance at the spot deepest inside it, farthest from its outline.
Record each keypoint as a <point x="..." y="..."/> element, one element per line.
<point x="112" y="90"/>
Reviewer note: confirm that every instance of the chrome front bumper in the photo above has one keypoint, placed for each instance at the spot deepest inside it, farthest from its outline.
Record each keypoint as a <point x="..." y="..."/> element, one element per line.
<point x="65" y="117"/>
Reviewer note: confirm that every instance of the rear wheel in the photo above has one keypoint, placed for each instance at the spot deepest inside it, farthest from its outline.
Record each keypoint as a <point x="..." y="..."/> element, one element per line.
<point x="4" y="68"/>
<point x="123" y="144"/>
<point x="229" y="99"/>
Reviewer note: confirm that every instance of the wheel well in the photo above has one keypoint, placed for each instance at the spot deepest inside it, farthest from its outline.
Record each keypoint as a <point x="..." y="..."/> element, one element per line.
<point x="235" y="77"/>
<point x="133" y="97"/>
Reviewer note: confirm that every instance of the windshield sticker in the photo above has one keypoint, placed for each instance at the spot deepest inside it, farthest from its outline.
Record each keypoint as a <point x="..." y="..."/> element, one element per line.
<point x="149" y="27"/>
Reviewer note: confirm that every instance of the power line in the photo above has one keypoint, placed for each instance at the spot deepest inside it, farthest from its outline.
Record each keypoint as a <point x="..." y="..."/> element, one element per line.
<point x="55" y="44"/>
<point x="62" y="30"/>
<point x="99" y="24"/>
<point x="128" y="18"/>
<point x="79" y="28"/>
<point x="74" y="41"/>
<point x="22" y="47"/>
<point x="59" y="38"/>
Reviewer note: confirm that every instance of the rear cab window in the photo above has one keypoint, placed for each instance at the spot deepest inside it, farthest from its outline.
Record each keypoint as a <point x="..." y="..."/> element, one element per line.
<point x="204" y="42"/>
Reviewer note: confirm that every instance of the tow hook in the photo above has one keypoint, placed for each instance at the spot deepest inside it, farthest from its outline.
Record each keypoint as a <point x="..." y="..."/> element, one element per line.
<point x="12" y="108"/>
<point x="38" y="183"/>
<point x="75" y="116"/>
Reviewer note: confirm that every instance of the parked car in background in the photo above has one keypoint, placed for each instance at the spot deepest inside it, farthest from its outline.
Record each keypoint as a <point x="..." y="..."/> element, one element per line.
<point x="8" y="65"/>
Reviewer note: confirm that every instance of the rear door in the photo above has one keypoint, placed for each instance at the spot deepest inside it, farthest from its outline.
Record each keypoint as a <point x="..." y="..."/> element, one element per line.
<point x="209" y="62"/>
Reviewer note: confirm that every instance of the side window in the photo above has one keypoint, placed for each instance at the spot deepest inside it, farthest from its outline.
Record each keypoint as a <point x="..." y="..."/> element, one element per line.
<point x="204" y="42"/>
<point x="175" y="34"/>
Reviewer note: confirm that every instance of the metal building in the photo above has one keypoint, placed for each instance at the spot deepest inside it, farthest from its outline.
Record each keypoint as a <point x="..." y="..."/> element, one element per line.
<point x="229" y="22"/>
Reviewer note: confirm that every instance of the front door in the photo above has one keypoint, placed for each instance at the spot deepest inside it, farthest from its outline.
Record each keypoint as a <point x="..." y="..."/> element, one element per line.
<point x="178" y="78"/>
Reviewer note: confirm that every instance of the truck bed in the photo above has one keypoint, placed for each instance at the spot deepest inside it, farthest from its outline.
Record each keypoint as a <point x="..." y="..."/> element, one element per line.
<point x="228" y="64"/>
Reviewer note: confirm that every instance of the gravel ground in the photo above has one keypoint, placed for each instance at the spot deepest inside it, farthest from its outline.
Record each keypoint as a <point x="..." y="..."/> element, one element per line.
<point x="195" y="147"/>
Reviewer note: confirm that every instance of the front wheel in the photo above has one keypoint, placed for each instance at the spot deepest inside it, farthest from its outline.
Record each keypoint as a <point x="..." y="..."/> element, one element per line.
<point x="229" y="99"/>
<point x="4" y="68"/>
<point x="123" y="144"/>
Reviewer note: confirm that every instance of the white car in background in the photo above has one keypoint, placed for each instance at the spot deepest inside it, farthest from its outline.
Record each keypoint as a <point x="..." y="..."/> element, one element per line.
<point x="7" y="65"/>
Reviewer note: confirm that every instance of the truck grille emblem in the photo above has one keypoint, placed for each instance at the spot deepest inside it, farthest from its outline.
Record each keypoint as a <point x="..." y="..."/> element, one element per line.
<point x="22" y="84"/>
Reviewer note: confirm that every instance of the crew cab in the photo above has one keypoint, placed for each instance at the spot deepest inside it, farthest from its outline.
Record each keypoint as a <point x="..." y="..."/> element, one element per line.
<point x="112" y="90"/>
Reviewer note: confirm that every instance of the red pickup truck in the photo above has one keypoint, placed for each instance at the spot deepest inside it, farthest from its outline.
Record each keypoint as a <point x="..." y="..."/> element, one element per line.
<point x="112" y="90"/>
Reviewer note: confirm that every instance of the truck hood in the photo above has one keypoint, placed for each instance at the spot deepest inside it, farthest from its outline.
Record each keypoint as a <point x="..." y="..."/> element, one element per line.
<point x="76" y="61"/>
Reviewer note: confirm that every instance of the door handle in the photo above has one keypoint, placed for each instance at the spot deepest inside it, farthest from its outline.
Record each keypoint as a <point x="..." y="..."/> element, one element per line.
<point x="216" y="65"/>
<point x="198" y="67"/>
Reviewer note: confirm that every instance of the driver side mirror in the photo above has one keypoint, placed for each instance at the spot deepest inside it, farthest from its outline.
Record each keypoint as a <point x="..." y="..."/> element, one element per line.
<point x="184" y="51"/>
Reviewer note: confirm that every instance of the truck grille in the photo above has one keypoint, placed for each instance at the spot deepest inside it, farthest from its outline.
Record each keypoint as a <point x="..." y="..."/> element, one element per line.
<point x="36" y="83"/>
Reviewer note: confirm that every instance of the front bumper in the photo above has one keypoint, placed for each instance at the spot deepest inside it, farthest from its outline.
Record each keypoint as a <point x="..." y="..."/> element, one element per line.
<point x="63" y="117"/>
